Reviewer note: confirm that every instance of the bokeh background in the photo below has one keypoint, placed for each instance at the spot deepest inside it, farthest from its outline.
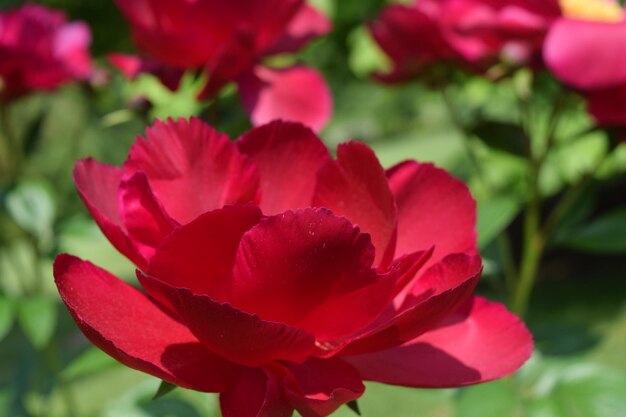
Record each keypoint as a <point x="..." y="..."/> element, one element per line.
<point x="577" y="312"/>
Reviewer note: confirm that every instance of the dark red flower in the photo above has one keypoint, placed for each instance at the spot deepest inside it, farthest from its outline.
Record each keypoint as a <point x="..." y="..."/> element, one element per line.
<point x="39" y="50"/>
<point x="281" y="277"/>
<point x="583" y="50"/>
<point x="227" y="39"/>
<point x="475" y="34"/>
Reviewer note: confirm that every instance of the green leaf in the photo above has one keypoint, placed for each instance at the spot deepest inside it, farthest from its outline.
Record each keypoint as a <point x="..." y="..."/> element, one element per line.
<point x="37" y="316"/>
<point x="604" y="235"/>
<point x="498" y="398"/>
<point x="585" y="390"/>
<point x="90" y="361"/>
<point x="501" y="136"/>
<point x="366" y="57"/>
<point x="6" y="316"/>
<point x="494" y="215"/>
<point x="164" y="389"/>
<point x="354" y="406"/>
<point x="31" y="205"/>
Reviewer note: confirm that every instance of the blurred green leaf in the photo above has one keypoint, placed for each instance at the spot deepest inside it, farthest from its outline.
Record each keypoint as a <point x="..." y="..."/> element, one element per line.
<point x="493" y="216"/>
<point x="366" y="57"/>
<point x="506" y="137"/>
<point x="18" y="272"/>
<point x="584" y="390"/>
<point x="31" y="205"/>
<point x="6" y="316"/>
<point x="606" y="234"/>
<point x="37" y="316"/>
<point x="90" y="361"/>
<point x="497" y="398"/>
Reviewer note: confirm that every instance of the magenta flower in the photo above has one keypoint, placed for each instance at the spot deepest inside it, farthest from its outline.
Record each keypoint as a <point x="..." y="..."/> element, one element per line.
<point x="228" y="39"/>
<point x="39" y="50"/>
<point x="474" y="34"/>
<point x="281" y="277"/>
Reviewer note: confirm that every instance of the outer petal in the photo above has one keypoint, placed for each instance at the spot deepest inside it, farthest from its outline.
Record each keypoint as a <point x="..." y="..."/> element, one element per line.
<point x="307" y="25"/>
<point x="292" y="265"/>
<point x="200" y="255"/>
<point x="480" y="342"/>
<point x="355" y="186"/>
<point x="192" y="168"/>
<point x="241" y="337"/>
<point x="97" y="185"/>
<point x="143" y="215"/>
<point x="296" y="93"/>
<point x="582" y="53"/>
<point x="437" y="293"/>
<point x="257" y="394"/>
<point x="71" y="48"/>
<point x="434" y="209"/>
<point x="132" y="329"/>
<point x="318" y="387"/>
<point x="287" y="155"/>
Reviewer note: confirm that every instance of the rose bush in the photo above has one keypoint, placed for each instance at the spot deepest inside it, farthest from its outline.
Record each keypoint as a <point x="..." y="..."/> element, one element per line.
<point x="281" y="277"/>
<point x="40" y="50"/>
<point x="227" y="40"/>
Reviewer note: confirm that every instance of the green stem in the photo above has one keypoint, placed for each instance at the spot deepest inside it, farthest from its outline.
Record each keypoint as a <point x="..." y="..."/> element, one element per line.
<point x="506" y="254"/>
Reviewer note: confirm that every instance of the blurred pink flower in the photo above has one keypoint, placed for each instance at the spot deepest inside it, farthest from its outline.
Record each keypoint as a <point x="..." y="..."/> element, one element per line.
<point x="585" y="50"/>
<point x="39" y="50"/>
<point x="475" y="34"/>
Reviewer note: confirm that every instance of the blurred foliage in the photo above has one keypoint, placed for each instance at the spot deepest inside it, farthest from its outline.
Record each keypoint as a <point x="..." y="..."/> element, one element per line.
<point x="578" y="312"/>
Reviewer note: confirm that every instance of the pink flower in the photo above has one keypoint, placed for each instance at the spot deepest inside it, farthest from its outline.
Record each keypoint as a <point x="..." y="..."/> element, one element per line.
<point x="281" y="277"/>
<point x="227" y="39"/>
<point x="474" y="34"/>
<point x="39" y="50"/>
<point x="584" y="50"/>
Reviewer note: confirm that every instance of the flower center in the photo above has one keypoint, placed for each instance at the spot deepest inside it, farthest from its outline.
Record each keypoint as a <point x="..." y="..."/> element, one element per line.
<point x="594" y="10"/>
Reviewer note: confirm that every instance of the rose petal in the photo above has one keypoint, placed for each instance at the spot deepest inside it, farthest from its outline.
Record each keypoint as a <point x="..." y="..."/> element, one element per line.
<point x="192" y="168"/>
<point x="481" y="341"/>
<point x="289" y="265"/>
<point x="143" y="215"/>
<point x="355" y="186"/>
<point x="200" y="255"/>
<point x="285" y="154"/>
<point x="256" y="394"/>
<point x="297" y="93"/>
<point x="132" y="329"/>
<point x="97" y="185"/>
<point x="582" y="53"/>
<point x="318" y="387"/>
<point x="434" y="209"/>
<point x="307" y="25"/>
<point x="233" y="334"/>
<point x="436" y="294"/>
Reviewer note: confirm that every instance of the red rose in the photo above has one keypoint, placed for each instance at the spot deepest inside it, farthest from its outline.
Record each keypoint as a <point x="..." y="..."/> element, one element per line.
<point x="471" y="33"/>
<point x="39" y="50"/>
<point x="258" y="283"/>
<point x="227" y="39"/>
